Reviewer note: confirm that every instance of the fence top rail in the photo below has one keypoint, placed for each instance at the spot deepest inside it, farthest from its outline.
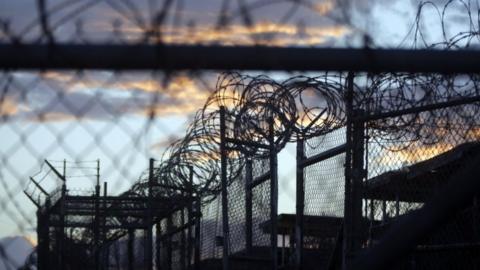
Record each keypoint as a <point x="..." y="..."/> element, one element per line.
<point x="182" y="57"/>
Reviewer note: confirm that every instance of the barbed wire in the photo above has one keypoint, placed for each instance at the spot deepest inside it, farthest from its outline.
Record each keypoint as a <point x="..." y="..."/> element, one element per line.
<point x="300" y="107"/>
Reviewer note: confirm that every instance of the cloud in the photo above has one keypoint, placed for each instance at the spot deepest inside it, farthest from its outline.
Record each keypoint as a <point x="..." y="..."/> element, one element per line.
<point x="8" y="108"/>
<point x="400" y="155"/>
<point x="264" y="33"/>
<point x="59" y="96"/>
<point x="416" y="154"/>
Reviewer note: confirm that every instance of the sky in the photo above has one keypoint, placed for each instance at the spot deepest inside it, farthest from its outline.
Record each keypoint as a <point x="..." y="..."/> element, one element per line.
<point x="105" y="115"/>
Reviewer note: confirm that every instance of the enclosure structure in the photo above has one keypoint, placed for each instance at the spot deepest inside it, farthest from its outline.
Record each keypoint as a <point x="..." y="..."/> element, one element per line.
<point x="382" y="136"/>
<point x="358" y="173"/>
<point x="75" y="231"/>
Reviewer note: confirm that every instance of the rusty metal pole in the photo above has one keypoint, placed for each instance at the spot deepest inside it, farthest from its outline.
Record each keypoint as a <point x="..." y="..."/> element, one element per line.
<point x="224" y="182"/>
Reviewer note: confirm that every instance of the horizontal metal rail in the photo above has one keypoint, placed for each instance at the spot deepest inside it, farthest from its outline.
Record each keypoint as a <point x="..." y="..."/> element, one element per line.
<point x="324" y="155"/>
<point x="180" y="57"/>
<point x="171" y="187"/>
<point x="178" y="229"/>
<point x="259" y="180"/>
<point x="246" y="143"/>
<point x="131" y="225"/>
<point x="419" y="109"/>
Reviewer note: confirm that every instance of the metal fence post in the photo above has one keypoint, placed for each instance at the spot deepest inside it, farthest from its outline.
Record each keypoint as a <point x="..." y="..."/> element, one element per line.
<point x="149" y="226"/>
<point x="103" y="225"/>
<point x="223" y="156"/>
<point x="130" y="249"/>
<point x="96" y="225"/>
<point x="197" y="233"/>
<point x="248" y="205"/>
<point x="300" y="204"/>
<point x="43" y="231"/>
<point x="358" y="173"/>
<point x="273" y="195"/>
<point x="61" y="230"/>
<point x="182" y="240"/>
<point x="347" y="205"/>
<point x="354" y="174"/>
<point x="158" y="245"/>
<point x="169" y="241"/>
<point x="190" y="217"/>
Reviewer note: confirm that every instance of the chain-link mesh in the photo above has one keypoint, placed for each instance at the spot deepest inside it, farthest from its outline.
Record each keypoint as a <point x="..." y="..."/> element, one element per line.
<point x="211" y="227"/>
<point x="403" y="175"/>
<point x="324" y="189"/>
<point x="74" y="115"/>
<point x="237" y="214"/>
<point x="324" y="199"/>
<point x="261" y="207"/>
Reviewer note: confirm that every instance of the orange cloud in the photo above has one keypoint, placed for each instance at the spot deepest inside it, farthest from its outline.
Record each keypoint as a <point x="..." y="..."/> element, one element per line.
<point x="54" y="117"/>
<point x="8" y="108"/>
<point x="261" y="33"/>
<point x="324" y="8"/>
<point x="32" y="239"/>
<point x="180" y="96"/>
<point x="414" y="153"/>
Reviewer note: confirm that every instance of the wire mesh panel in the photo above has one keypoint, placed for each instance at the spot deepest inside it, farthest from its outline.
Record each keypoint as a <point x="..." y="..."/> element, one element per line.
<point x="120" y="82"/>
<point x="211" y="229"/>
<point x="164" y="244"/>
<point x="261" y="208"/>
<point x="324" y="185"/>
<point x="407" y="168"/>
<point x="237" y="214"/>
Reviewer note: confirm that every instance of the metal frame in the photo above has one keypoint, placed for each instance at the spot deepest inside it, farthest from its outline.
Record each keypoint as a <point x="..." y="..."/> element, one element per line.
<point x="182" y="57"/>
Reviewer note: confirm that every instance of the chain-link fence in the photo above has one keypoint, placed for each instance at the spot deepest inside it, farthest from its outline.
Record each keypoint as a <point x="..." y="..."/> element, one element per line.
<point x="95" y="92"/>
<point x="404" y="174"/>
